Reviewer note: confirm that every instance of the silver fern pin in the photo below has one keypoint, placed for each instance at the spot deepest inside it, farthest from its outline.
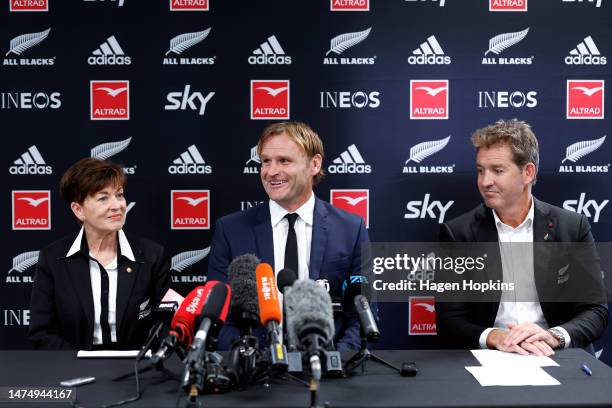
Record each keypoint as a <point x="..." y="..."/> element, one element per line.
<point x="500" y="42"/>
<point x="343" y="42"/>
<point x="184" y="41"/>
<point x="106" y="150"/>
<point x="24" y="260"/>
<point x="423" y="150"/>
<point x="23" y="42"/>
<point x="184" y="260"/>
<point x="580" y="149"/>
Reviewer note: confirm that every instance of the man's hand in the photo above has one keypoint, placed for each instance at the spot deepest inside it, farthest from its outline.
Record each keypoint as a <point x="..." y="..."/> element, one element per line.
<point x="530" y="333"/>
<point x="538" y="347"/>
<point x="497" y="339"/>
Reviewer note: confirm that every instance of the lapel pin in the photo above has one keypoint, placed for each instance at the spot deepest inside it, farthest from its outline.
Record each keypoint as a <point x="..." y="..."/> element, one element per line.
<point x="128" y="269"/>
<point x="550" y="225"/>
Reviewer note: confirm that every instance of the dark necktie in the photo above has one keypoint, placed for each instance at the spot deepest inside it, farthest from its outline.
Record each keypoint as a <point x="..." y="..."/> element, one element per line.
<point x="104" y="291"/>
<point x="291" y="250"/>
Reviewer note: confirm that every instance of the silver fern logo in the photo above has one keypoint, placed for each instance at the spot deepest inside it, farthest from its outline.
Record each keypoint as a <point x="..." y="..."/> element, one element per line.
<point x="106" y="150"/>
<point x="23" y="43"/>
<point x="182" y="43"/>
<point x="422" y="151"/>
<point x="184" y="260"/>
<point x="26" y="41"/>
<point x="252" y="165"/>
<point x="21" y="263"/>
<point x="576" y="151"/>
<point x="502" y="42"/>
<point x="343" y="42"/>
<point x="128" y="208"/>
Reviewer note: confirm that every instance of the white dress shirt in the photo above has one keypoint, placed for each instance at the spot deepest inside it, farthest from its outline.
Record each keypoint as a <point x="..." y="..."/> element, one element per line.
<point x="303" y="232"/>
<point x="517" y="267"/>
<point x="96" y="277"/>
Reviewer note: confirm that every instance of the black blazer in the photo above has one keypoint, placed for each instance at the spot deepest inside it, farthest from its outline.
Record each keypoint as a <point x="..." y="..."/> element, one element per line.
<point x="461" y="324"/>
<point x="335" y="254"/>
<point x="61" y="306"/>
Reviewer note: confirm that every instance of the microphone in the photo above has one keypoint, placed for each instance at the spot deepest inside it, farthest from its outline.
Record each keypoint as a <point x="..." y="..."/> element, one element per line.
<point x="183" y="323"/>
<point x="356" y="291"/>
<point x="286" y="278"/>
<point x="270" y="314"/>
<point x="310" y="322"/>
<point x="162" y="316"/>
<point x="369" y="328"/>
<point x="212" y="317"/>
<point x="244" y="309"/>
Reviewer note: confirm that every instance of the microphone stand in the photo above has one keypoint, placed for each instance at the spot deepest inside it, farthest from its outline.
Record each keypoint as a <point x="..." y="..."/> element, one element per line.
<point x="362" y="356"/>
<point x="244" y="353"/>
<point x="193" y="380"/>
<point x="158" y="365"/>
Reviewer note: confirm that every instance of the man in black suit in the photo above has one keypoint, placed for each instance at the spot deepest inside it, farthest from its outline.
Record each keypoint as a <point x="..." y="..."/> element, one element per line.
<point x="507" y="161"/>
<point x="327" y="243"/>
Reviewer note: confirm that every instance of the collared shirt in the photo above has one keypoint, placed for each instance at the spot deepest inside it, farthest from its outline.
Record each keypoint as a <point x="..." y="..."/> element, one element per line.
<point x="517" y="267"/>
<point x="303" y="232"/>
<point x="96" y="277"/>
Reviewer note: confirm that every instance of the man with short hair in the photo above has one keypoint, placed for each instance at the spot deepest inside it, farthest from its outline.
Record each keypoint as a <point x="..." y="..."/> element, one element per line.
<point x="328" y="240"/>
<point x="507" y="160"/>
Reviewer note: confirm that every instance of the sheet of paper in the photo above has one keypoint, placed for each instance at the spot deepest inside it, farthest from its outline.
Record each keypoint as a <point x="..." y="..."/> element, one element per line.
<point x="110" y="354"/>
<point x="496" y="357"/>
<point x="511" y="375"/>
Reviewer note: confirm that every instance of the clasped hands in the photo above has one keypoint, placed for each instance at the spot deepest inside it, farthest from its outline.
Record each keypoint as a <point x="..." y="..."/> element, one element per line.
<point x="525" y="338"/>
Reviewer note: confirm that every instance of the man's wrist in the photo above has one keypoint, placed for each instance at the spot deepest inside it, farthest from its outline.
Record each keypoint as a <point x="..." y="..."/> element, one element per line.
<point x="559" y="337"/>
<point x="494" y="338"/>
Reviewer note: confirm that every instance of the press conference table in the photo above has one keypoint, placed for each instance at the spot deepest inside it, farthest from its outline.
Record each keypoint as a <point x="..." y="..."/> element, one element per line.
<point x="442" y="381"/>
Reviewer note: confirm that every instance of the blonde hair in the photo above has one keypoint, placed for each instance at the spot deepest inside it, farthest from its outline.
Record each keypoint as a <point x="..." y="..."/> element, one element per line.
<point x="303" y="135"/>
<point x="515" y="134"/>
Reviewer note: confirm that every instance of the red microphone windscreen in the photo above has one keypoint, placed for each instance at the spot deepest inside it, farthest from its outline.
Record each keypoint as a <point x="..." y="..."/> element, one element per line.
<point x="184" y="320"/>
<point x="267" y="294"/>
<point x="226" y="305"/>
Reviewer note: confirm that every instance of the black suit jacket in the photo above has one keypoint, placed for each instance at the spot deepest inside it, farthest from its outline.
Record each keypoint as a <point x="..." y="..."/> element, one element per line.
<point x="61" y="306"/>
<point x="335" y="254"/>
<point x="461" y="324"/>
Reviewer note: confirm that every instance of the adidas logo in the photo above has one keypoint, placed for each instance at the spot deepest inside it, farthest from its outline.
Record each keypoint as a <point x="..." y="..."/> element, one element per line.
<point x="30" y="162"/>
<point x="269" y="52"/>
<point x="109" y="53"/>
<point x="429" y="52"/>
<point x="586" y="53"/>
<point x="190" y="162"/>
<point x="349" y="162"/>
